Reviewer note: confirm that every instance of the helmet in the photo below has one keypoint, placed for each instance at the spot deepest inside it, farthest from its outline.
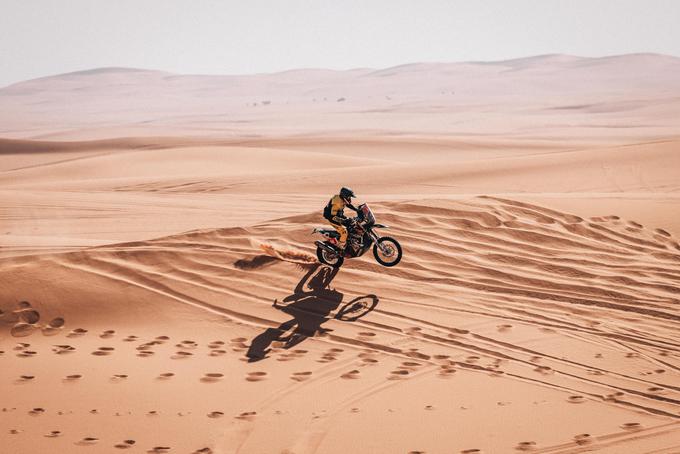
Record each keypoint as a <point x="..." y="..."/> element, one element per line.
<point x="346" y="194"/>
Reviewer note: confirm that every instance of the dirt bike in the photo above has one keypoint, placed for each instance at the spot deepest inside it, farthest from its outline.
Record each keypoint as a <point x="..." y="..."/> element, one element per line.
<point x="360" y="238"/>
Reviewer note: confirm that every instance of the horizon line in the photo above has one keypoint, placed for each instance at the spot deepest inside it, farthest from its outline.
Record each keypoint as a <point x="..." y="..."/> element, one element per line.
<point x="311" y="68"/>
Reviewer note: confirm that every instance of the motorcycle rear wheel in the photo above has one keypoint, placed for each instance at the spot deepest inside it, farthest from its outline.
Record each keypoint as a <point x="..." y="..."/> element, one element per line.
<point x="394" y="248"/>
<point x="329" y="259"/>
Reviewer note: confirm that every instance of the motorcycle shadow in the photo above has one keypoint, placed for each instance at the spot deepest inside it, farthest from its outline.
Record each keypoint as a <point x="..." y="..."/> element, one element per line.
<point x="312" y="303"/>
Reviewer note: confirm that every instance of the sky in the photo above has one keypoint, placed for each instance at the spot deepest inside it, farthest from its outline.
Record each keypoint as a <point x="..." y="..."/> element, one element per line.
<point x="45" y="37"/>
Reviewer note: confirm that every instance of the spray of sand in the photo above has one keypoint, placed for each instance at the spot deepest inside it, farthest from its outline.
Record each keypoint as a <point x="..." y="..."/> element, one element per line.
<point x="286" y="253"/>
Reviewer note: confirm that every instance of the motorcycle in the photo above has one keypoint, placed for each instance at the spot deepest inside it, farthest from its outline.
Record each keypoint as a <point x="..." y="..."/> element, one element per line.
<point x="361" y="236"/>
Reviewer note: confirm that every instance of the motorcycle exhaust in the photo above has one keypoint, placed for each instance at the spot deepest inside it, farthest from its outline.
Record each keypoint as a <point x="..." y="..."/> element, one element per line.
<point x="325" y="247"/>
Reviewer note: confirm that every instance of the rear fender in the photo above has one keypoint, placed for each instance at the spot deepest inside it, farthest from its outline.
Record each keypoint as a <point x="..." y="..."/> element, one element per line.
<point x="381" y="226"/>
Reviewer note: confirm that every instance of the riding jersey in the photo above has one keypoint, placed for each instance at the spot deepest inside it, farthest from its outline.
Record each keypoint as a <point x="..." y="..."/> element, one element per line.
<point x="334" y="209"/>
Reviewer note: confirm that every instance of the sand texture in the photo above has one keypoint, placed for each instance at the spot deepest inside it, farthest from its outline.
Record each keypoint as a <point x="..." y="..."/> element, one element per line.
<point x="160" y="293"/>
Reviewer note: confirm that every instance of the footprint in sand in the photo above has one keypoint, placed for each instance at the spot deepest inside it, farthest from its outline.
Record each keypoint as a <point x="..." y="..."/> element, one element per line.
<point x="409" y="365"/>
<point x="472" y="359"/>
<point x="256" y="376"/>
<point x="503" y="328"/>
<point x="203" y="451"/>
<point x="441" y="357"/>
<point x="351" y="375"/>
<point x="414" y="353"/>
<point x="63" y="349"/>
<point x="239" y="347"/>
<point x="87" y="441"/>
<point x="545" y="370"/>
<point x="291" y="355"/>
<point x="247" y="415"/>
<point x="330" y="355"/>
<point x="238" y="344"/>
<point x="366" y="335"/>
<point x="148" y="345"/>
<point x="217" y="352"/>
<point x="614" y="396"/>
<point x="126" y="444"/>
<point x="583" y="439"/>
<point x="215" y="414"/>
<point x="631" y="426"/>
<point x="301" y="376"/>
<point x="103" y="351"/>
<point x="109" y="333"/>
<point x="576" y="399"/>
<point x="285" y="357"/>
<point x="22" y="329"/>
<point x="78" y="332"/>
<point x="632" y="355"/>
<point x="187" y="344"/>
<point x="118" y="378"/>
<point x="446" y="371"/>
<point x="145" y="353"/>
<point x="216" y="344"/>
<point x="181" y="355"/>
<point x="471" y="451"/>
<point x="72" y="378"/>
<point x="26" y="313"/>
<point x="398" y="374"/>
<point x="526" y="446"/>
<point x="656" y="390"/>
<point x="159" y="450"/>
<point x="165" y="376"/>
<point x="212" y="377"/>
<point x="53" y="434"/>
<point x="131" y="338"/>
<point x="25" y="378"/>
<point x="27" y="354"/>
<point x="53" y="327"/>
<point x="662" y="232"/>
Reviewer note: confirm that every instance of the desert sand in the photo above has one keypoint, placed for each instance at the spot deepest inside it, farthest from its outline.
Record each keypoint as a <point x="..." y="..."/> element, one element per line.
<point x="159" y="289"/>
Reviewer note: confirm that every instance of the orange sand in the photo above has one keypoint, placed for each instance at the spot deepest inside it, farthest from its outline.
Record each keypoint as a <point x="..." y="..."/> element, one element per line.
<point x="159" y="291"/>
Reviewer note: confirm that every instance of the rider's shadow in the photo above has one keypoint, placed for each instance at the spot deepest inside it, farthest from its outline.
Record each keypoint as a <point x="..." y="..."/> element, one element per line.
<point x="310" y="305"/>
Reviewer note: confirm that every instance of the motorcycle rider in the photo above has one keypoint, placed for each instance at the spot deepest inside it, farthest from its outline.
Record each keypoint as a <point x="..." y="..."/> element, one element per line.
<point x="334" y="214"/>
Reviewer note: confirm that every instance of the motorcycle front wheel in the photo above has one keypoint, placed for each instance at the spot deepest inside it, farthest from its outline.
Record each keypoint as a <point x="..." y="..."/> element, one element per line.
<point x="328" y="258"/>
<point x="387" y="251"/>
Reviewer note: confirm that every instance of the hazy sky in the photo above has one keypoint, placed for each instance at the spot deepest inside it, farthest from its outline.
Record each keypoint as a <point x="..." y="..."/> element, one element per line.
<point x="44" y="37"/>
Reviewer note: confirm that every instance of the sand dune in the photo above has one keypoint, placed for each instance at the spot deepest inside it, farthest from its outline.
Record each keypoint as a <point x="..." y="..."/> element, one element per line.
<point x="612" y="98"/>
<point x="280" y="352"/>
<point x="159" y="289"/>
